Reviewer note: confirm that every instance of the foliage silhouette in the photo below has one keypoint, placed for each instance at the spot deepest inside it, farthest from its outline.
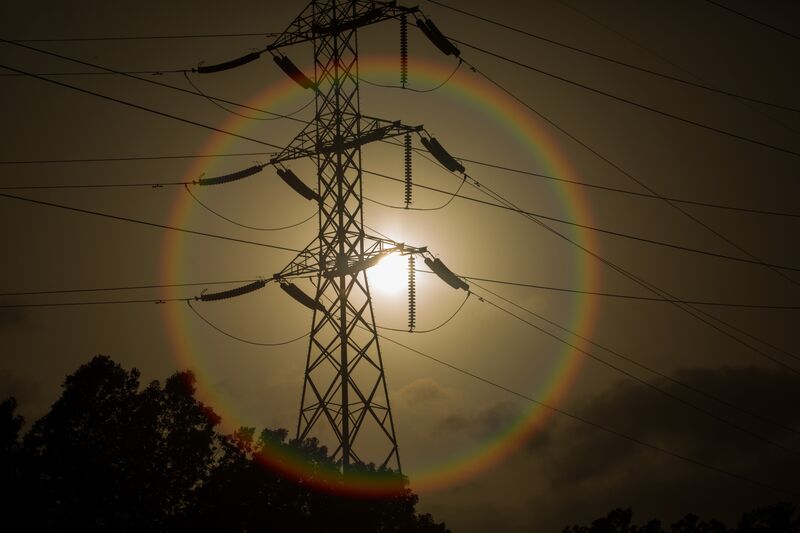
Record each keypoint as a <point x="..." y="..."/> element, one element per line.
<point x="111" y="457"/>
<point x="778" y="518"/>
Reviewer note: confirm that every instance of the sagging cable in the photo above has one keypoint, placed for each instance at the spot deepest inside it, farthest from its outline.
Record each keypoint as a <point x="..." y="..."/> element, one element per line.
<point x="291" y="179"/>
<point x="232" y="293"/>
<point x="233" y="176"/>
<point x="293" y="72"/>
<point x="437" y="37"/>
<point x="441" y="155"/>
<point x="233" y="63"/>
<point x="446" y="274"/>
<point x="295" y="292"/>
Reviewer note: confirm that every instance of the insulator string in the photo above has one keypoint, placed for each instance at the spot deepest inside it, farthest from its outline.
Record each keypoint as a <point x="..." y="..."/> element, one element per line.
<point x="412" y="294"/>
<point x="408" y="152"/>
<point x="403" y="50"/>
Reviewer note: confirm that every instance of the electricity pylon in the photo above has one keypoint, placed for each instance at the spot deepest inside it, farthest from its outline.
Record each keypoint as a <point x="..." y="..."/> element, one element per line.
<point x="344" y="389"/>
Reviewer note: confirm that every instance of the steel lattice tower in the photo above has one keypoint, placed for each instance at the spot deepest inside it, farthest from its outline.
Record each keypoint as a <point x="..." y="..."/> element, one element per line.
<point x="344" y="389"/>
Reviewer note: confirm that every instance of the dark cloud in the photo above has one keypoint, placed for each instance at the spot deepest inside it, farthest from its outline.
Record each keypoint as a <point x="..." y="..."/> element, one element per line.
<point x="422" y="393"/>
<point x="572" y="473"/>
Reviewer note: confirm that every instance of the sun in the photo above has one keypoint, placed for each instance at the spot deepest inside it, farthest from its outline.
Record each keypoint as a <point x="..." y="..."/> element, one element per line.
<point x="390" y="275"/>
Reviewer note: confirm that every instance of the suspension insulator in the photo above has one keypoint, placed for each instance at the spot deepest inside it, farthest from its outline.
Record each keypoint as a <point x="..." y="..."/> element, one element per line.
<point x="412" y="294"/>
<point x="407" y="154"/>
<point x="437" y="38"/>
<point x="441" y="155"/>
<point x="403" y="50"/>
<point x="233" y="63"/>
<point x="297" y="184"/>
<point x="295" y="292"/>
<point x="293" y="72"/>
<point x="446" y="274"/>
<point x="227" y="178"/>
<point x="212" y="296"/>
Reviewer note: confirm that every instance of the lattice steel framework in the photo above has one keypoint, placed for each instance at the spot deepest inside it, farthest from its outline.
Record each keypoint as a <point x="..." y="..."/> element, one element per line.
<point x="344" y="390"/>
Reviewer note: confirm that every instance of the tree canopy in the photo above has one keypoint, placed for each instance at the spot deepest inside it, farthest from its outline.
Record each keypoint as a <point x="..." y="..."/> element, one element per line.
<point x="111" y="456"/>
<point x="779" y="518"/>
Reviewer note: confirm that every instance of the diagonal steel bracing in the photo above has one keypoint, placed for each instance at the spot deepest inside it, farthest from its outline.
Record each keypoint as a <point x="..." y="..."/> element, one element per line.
<point x="344" y="389"/>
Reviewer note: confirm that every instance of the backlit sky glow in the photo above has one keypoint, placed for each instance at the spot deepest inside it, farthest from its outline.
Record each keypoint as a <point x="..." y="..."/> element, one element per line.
<point x="478" y="456"/>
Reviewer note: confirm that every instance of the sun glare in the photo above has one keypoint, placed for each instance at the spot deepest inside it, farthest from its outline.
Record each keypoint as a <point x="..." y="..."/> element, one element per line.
<point x="390" y="275"/>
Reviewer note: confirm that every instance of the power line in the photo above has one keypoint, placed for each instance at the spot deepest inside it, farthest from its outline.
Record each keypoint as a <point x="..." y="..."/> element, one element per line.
<point x="213" y="100"/>
<point x="126" y="288"/>
<point x="668" y="61"/>
<point x="145" y="223"/>
<point x="452" y="195"/>
<point x="246" y="226"/>
<point x="588" y="227"/>
<point x="145" y="37"/>
<point x="71" y="74"/>
<point x="688" y="215"/>
<point x="460" y="158"/>
<point x="631" y="193"/>
<point x="97" y="302"/>
<point x="617" y="61"/>
<point x="240" y="339"/>
<point x="142" y="108"/>
<point x="130" y="158"/>
<point x="622" y="99"/>
<point x="652" y="386"/>
<point x="753" y="19"/>
<point x="429" y="90"/>
<point x="435" y="328"/>
<point x="470" y="278"/>
<point x="711" y="321"/>
<point x="588" y="422"/>
<point x="752" y="257"/>
<point x="633" y="297"/>
<point x="689" y="309"/>
<point x="640" y="365"/>
<point x="452" y="367"/>
<point x="636" y="180"/>
<point x="197" y="92"/>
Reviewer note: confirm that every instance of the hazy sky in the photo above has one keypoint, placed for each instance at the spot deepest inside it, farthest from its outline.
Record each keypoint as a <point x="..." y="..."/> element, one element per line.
<point x="726" y="392"/>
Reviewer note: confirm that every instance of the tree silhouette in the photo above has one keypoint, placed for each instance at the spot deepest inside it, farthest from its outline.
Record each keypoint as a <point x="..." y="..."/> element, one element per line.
<point x="111" y="457"/>
<point x="108" y="457"/>
<point x="617" y="521"/>
<point x="778" y="518"/>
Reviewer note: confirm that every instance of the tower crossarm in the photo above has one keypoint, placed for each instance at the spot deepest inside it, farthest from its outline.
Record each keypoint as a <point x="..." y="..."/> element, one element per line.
<point x="311" y="24"/>
<point x="307" y="263"/>
<point x="371" y="129"/>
